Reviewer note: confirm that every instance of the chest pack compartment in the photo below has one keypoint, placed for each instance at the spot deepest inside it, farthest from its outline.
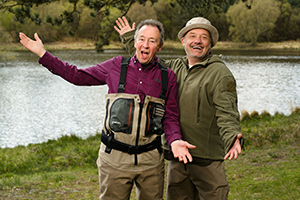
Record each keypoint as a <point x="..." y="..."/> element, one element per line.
<point x="122" y="115"/>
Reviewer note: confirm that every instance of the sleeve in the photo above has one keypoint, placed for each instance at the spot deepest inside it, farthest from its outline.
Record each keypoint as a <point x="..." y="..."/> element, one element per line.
<point x="128" y="40"/>
<point x="95" y="75"/>
<point x="228" y="118"/>
<point x="171" y="118"/>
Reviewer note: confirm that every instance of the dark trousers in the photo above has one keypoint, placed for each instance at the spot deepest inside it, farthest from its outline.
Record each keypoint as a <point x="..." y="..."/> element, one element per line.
<point x="195" y="182"/>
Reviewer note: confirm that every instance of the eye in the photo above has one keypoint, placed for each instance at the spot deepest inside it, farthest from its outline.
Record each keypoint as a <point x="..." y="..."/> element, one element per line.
<point x="152" y="41"/>
<point x="204" y="37"/>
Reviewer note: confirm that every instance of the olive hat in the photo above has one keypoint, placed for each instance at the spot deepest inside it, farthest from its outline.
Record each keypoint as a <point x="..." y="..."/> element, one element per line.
<point x="200" y="22"/>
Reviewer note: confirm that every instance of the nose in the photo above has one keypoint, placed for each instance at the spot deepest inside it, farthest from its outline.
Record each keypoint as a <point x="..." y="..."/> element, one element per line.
<point x="146" y="44"/>
<point x="198" y="40"/>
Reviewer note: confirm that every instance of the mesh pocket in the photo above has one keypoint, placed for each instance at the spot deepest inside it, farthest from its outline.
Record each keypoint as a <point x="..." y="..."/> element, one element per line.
<point x="121" y="115"/>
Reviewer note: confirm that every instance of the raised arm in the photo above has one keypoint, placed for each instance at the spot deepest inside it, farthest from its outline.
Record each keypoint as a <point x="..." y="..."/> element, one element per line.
<point x="36" y="46"/>
<point x="126" y="34"/>
<point x="123" y="26"/>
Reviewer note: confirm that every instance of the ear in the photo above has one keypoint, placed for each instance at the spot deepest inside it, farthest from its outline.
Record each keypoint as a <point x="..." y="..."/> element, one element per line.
<point x="159" y="48"/>
<point x="182" y="41"/>
<point x="135" y="44"/>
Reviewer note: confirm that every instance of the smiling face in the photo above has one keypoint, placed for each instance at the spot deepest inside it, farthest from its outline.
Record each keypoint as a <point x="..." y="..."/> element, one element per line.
<point x="197" y="44"/>
<point x="147" y="43"/>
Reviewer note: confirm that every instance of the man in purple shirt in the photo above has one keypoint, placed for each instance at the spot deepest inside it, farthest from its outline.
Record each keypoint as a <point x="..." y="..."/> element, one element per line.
<point x="130" y="151"/>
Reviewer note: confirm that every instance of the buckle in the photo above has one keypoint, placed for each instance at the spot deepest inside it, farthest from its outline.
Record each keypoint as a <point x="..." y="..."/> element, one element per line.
<point x="132" y="149"/>
<point x="110" y="137"/>
<point x="121" y="88"/>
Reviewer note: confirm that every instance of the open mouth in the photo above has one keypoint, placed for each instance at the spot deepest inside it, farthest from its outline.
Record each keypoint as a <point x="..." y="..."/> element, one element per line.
<point x="199" y="48"/>
<point x="144" y="54"/>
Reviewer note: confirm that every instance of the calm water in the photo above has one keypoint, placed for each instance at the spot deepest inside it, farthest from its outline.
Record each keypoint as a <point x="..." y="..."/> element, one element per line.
<point x="36" y="106"/>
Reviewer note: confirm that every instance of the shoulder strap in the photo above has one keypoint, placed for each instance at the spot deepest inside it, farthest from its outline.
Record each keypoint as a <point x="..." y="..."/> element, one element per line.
<point x="122" y="81"/>
<point x="164" y="77"/>
<point x="164" y="80"/>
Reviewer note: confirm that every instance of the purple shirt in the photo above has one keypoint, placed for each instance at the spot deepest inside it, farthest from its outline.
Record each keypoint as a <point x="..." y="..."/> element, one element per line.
<point x="140" y="82"/>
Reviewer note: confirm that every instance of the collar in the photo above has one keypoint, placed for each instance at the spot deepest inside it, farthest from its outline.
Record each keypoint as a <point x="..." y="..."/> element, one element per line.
<point x="202" y="62"/>
<point x="153" y="64"/>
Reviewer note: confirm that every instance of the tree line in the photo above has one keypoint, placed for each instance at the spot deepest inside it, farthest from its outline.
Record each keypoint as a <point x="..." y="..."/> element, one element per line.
<point x="249" y="21"/>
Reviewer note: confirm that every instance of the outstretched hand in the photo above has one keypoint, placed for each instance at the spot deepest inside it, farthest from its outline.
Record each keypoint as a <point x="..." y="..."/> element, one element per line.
<point x="36" y="46"/>
<point x="123" y="26"/>
<point x="180" y="150"/>
<point x="235" y="150"/>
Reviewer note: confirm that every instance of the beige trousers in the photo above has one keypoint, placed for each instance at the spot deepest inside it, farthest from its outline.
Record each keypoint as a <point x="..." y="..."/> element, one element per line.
<point x="116" y="184"/>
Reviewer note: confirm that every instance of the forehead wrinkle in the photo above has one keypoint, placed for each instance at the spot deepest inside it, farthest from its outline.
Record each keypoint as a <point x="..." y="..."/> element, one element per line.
<point x="205" y="32"/>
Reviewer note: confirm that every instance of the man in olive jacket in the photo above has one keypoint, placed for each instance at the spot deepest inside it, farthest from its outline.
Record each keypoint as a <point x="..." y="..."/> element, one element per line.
<point x="209" y="116"/>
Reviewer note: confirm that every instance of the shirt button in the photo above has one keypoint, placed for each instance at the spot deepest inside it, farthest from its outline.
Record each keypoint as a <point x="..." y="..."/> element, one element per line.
<point x="140" y="69"/>
<point x="141" y="82"/>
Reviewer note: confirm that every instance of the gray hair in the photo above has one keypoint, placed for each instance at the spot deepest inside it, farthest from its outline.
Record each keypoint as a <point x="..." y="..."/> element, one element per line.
<point x="151" y="22"/>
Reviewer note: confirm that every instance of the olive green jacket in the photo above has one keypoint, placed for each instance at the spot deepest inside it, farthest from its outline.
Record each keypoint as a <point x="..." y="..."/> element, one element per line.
<point x="209" y="116"/>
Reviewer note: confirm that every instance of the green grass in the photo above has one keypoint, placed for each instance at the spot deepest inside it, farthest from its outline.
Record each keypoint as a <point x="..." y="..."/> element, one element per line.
<point x="66" y="168"/>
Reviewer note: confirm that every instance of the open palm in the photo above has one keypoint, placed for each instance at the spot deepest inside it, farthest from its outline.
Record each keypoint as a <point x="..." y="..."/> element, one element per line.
<point x="36" y="46"/>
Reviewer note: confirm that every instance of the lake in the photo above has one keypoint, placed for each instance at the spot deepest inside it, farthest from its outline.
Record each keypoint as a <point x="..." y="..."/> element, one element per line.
<point x="36" y="106"/>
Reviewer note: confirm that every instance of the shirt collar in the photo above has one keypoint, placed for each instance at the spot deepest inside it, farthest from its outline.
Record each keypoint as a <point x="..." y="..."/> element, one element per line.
<point x="154" y="63"/>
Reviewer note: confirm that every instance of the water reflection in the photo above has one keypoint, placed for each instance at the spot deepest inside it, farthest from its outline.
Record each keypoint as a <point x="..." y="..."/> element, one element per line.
<point x="36" y="106"/>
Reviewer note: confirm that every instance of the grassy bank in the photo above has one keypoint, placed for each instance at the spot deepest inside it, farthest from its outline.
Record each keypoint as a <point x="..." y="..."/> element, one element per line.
<point x="66" y="169"/>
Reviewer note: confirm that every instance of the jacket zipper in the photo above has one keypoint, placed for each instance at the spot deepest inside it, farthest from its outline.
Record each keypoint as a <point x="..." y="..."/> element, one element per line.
<point x="198" y="106"/>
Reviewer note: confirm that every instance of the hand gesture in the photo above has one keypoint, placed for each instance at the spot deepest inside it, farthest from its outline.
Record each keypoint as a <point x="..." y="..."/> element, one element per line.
<point x="36" y="46"/>
<point x="180" y="150"/>
<point x="123" y="26"/>
<point x="235" y="149"/>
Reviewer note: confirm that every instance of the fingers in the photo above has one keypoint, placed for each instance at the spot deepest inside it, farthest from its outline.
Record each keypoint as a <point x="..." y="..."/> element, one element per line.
<point x="187" y="158"/>
<point x="183" y="159"/>
<point x="190" y="146"/>
<point x="24" y="40"/>
<point x="180" y="150"/>
<point x="190" y="158"/>
<point x="234" y="153"/>
<point x="36" y="37"/>
<point x="118" y="30"/>
<point x="120" y="23"/>
<point x="23" y="37"/>
<point x="229" y="156"/>
<point x="123" y="21"/>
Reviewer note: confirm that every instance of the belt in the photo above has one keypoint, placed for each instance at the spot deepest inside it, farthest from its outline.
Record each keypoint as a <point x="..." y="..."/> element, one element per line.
<point x="111" y="143"/>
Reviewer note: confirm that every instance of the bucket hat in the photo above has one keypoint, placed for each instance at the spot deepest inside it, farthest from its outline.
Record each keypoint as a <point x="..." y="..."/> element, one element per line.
<point x="200" y="22"/>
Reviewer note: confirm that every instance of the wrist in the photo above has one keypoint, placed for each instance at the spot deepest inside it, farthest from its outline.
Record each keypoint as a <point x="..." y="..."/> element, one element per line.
<point x="42" y="53"/>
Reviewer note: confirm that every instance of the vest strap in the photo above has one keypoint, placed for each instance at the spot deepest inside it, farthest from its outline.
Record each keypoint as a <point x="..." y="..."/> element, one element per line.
<point x="164" y="80"/>
<point x="122" y="81"/>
